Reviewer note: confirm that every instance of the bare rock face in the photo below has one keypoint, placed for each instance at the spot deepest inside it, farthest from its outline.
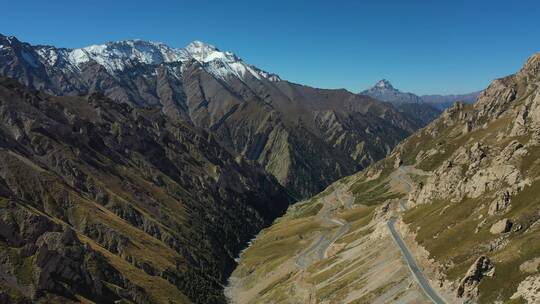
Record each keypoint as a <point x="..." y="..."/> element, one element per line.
<point x="502" y="226"/>
<point x="398" y="162"/>
<point x="58" y="262"/>
<point x="60" y="254"/>
<point x="480" y="166"/>
<point x="468" y="285"/>
<point x="495" y="99"/>
<point x="501" y="203"/>
<point x="382" y="211"/>
<point x="474" y="169"/>
<point x="528" y="289"/>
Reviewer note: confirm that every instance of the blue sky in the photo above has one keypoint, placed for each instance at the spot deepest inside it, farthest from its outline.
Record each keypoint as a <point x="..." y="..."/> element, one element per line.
<point x="420" y="46"/>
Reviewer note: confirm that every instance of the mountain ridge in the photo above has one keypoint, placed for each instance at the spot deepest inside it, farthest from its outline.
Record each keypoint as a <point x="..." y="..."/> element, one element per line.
<point x="252" y="112"/>
<point x="407" y="103"/>
<point x="114" y="54"/>
<point x="385" y="91"/>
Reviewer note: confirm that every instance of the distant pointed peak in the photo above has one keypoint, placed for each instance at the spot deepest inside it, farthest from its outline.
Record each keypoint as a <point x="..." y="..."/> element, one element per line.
<point x="383" y="84"/>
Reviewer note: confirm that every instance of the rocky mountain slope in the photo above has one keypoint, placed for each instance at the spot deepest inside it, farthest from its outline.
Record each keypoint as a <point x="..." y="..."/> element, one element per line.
<point x="102" y="202"/>
<point x="462" y="196"/>
<point x="306" y="137"/>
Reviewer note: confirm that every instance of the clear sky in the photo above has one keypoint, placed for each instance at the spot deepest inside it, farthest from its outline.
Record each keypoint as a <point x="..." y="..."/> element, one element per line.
<point x="420" y="46"/>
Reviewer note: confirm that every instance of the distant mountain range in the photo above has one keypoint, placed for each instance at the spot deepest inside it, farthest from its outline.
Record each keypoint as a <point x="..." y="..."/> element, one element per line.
<point x="406" y="103"/>
<point x="306" y="137"/>
<point x="135" y="172"/>
<point x="444" y="101"/>
<point x="383" y="90"/>
<point x="159" y="164"/>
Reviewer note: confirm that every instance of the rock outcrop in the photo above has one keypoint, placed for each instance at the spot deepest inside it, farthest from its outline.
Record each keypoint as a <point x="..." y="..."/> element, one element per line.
<point x="502" y="226"/>
<point x="501" y="203"/>
<point x="481" y="268"/>
<point x="528" y="290"/>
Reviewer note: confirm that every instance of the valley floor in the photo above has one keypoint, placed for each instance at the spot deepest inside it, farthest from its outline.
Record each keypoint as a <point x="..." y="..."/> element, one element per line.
<point x="343" y="252"/>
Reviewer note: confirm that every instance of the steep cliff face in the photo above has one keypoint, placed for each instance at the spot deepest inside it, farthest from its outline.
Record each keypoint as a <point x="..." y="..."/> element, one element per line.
<point x="102" y="201"/>
<point x="463" y="193"/>
<point x="305" y="137"/>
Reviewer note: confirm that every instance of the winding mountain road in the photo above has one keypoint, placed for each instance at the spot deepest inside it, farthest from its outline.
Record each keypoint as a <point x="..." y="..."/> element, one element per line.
<point x="320" y="247"/>
<point x="407" y="256"/>
<point x="413" y="267"/>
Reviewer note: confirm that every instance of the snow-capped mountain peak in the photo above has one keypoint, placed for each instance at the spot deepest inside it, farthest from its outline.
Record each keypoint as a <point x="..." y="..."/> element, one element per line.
<point x="204" y="52"/>
<point x="115" y="56"/>
<point x="222" y="64"/>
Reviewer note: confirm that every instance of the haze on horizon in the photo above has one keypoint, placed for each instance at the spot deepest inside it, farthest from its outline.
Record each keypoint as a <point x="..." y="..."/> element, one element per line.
<point x="420" y="46"/>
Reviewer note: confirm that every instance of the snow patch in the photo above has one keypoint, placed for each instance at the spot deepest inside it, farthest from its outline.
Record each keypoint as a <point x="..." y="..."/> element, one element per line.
<point x="48" y="55"/>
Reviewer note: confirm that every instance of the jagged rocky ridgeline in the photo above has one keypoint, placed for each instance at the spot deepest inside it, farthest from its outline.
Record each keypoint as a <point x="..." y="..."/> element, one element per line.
<point x="305" y="137"/>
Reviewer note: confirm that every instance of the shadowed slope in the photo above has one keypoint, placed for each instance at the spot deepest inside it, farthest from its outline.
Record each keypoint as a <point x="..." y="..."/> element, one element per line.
<point x="165" y="206"/>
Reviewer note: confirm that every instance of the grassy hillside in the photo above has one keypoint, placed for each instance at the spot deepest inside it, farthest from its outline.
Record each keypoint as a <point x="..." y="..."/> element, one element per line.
<point x="466" y="192"/>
